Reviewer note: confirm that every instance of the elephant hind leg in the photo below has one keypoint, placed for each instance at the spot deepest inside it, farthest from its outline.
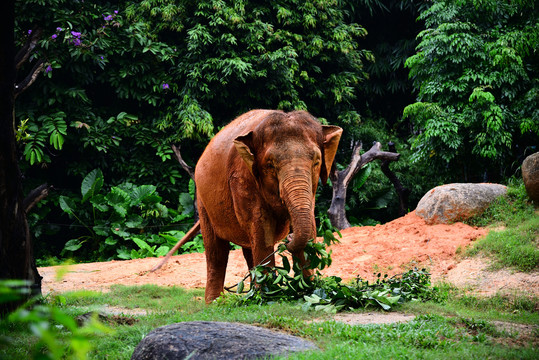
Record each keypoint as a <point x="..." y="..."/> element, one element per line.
<point x="217" y="251"/>
<point x="216" y="262"/>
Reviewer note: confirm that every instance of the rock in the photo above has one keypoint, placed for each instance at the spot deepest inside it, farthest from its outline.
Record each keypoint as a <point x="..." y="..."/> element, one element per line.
<point x="216" y="340"/>
<point x="456" y="202"/>
<point x="530" y="175"/>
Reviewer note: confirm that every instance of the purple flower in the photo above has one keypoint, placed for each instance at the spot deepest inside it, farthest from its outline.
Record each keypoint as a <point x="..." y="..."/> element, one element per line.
<point x="75" y="34"/>
<point x="165" y="86"/>
<point x="77" y="42"/>
<point x="102" y="57"/>
<point x="59" y="29"/>
<point x="54" y="36"/>
<point x="116" y="12"/>
<point x="29" y="32"/>
<point x="49" y="68"/>
<point x="108" y="17"/>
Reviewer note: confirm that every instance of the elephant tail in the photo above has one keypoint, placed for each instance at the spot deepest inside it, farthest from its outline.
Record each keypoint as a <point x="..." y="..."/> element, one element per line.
<point x="190" y="234"/>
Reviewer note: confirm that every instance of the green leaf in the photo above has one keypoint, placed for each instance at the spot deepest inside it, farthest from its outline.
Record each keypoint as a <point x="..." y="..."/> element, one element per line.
<point x="162" y="250"/>
<point x="111" y="241"/>
<point x="73" y="245"/>
<point x="141" y="194"/>
<point x="241" y="285"/>
<point x="286" y="264"/>
<point x="143" y="245"/>
<point x="98" y="201"/>
<point x="67" y="204"/>
<point x="91" y="184"/>
<point x="124" y="254"/>
<point x="134" y="221"/>
<point x="362" y="176"/>
<point x="102" y="229"/>
<point x="187" y="203"/>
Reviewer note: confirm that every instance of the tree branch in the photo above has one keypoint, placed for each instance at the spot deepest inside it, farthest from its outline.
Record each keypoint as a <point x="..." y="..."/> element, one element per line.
<point x="35" y="196"/>
<point x="26" y="50"/>
<point x="29" y="80"/>
<point x="190" y="170"/>
<point x="358" y="160"/>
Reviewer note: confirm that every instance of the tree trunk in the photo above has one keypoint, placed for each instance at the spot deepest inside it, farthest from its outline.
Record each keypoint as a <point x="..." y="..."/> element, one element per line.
<point x="403" y="192"/>
<point x="16" y="258"/>
<point x="341" y="180"/>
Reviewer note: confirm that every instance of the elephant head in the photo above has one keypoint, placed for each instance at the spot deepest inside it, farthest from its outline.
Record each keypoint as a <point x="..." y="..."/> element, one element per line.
<point x="287" y="154"/>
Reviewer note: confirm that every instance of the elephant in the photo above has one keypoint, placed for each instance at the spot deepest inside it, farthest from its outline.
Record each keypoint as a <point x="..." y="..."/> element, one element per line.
<point x="255" y="181"/>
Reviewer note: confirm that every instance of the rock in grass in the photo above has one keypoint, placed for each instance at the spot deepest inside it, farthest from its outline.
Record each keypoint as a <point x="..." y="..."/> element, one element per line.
<point x="216" y="340"/>
<point x="530" y="175"/>
<point x="450" y="203"/>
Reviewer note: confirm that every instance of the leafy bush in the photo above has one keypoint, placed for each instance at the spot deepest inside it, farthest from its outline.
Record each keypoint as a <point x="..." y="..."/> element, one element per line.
<point x="122" y="221"/>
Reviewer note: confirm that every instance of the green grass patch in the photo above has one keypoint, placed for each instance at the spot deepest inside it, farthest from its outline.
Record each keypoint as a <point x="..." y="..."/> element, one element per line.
<point x="456" y="325"/>
<point x="509" y="210"/>
<point x="516" y="245"/>
<point x="454" y="302"/>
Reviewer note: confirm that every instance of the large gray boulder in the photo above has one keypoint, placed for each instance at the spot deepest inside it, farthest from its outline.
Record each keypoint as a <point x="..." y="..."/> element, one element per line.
<point x="216" y="340"/>
<point x="530" y="175"/>
<point x="450" y="203"/>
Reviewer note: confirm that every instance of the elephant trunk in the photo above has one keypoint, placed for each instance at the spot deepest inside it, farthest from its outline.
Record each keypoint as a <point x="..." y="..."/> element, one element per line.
<point x="296" y="191"/>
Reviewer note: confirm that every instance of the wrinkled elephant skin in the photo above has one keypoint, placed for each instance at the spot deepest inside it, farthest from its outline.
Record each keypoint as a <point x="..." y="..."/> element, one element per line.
<point x="257" y="179"/>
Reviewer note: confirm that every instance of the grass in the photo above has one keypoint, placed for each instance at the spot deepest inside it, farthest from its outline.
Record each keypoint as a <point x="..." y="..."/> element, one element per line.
<point x="455" y="326"/>
<point x="516" y="245"/>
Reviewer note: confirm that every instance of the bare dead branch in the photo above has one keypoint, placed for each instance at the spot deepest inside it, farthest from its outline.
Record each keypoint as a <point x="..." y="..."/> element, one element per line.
<point x="341" y="180"/>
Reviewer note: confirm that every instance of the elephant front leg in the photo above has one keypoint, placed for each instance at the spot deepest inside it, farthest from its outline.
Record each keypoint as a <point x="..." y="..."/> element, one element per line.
<point x="216" y="261"/>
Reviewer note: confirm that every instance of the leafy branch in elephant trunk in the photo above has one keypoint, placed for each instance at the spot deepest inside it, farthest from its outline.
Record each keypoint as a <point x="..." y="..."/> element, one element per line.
<point x="330" y="294"/>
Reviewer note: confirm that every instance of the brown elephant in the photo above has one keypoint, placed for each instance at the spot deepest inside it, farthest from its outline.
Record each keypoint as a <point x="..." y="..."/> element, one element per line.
<point x="257" y="178"/>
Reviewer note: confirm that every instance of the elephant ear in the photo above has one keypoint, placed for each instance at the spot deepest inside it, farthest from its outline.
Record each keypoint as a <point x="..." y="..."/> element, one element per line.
<point x="332" y="135"/>
<point x="243" y="145"/>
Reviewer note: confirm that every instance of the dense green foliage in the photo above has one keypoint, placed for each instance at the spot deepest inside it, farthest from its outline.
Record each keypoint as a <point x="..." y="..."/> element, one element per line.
<point x="123" y="81"/>
<point x="477" y="76"/>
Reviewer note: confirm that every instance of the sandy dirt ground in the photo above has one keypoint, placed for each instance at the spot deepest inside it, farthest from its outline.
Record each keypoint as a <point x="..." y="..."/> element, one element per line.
<point x="392" y="248"/>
